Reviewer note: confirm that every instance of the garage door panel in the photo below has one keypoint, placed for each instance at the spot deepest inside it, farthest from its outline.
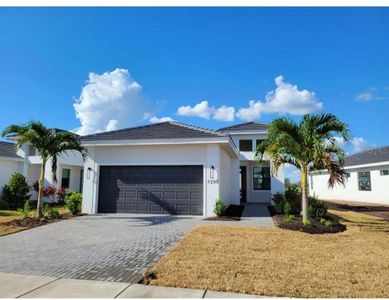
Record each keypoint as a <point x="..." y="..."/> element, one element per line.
<point x="151" y="189"/>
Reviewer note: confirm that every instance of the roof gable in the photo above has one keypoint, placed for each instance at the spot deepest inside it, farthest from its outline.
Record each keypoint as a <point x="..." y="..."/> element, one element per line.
<point x="164" y="130"/>
<point x="8" y="150"/>
<point x="249" y="126"/>
<point x="370" y="156"/>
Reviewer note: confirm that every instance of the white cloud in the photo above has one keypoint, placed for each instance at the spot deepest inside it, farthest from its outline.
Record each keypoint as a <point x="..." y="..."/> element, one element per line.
<point x="203" y="110"/>
<point x="110" y="101"/>
<point x="340" y="141"/>
<point x="224" y="113"/>
<point x="285" y="99"/>
<point x="371" y="94"/>
<point x="366" y="95"/>
<point x="251" y="113"/>
<point x="155" y="119"/>
<point x="360" y="144"/>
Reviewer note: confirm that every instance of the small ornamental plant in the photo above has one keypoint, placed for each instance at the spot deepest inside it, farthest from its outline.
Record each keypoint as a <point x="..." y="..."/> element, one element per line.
<point x="220" y="207"/>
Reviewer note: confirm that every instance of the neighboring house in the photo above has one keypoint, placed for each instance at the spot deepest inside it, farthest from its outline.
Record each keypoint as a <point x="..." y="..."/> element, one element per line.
<point x="10" y="163"/>
<point x="26" y="160"/>
<point x="175" y="168"/>
<point x="367" y="179"/>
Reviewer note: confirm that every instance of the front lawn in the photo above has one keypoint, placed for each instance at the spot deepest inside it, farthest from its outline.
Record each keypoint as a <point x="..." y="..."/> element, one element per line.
<point x="277" y="262"/>
<point x="7" y="216"/>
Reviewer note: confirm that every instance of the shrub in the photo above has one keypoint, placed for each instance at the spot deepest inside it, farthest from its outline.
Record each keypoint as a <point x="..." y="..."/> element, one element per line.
<point x="50" y="212"/>
<point x="35" y="186"/>
<point x="61" y="193"/>
<point x="3" y="204"/>
<point x="293" y="196"/>
<point x="278" y="197"/>
<point x="322" y="221"/>
<point x="306" y="222"/>
<point x="220" y="207"/>
<point x="15" y="192"/>
<point x="288" y="218"/>
<point x="316" y="208"/>
<point x="49" y="192"/>
<point x="280" y="207"/>
<point x="26" y="210"/>
<point x="287" y="208"/>
<point x="328" y="223"/>
<point x="73" y="202"/>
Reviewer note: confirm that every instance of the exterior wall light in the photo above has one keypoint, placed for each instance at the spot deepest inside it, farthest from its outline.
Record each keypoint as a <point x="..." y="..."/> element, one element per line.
<point x="212" y="172"/>
<point x="88" y="173"/>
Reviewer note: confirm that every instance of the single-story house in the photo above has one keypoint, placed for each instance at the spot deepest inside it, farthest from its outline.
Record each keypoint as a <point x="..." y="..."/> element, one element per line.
<point x="367" y="179"/>
<point x="27" y="161"/>
<point x="175" y="168"/>
<point x="10" y="163"/>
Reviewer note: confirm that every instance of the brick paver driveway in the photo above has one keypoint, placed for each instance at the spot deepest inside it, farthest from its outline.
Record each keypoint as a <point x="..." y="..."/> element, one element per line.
<point x="112" y="247"/>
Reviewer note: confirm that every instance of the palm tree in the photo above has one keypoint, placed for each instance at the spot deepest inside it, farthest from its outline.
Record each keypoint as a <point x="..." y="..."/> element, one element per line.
<point x="308" y="145"/>
<point x="50" y="145"/>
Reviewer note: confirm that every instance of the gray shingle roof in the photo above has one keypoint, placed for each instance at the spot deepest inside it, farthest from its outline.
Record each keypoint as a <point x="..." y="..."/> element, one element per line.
<point x="375" y="155"/>
<point x="250" y="126"/>
<point x="164" y="130"/>
<point x="8" y="150"/>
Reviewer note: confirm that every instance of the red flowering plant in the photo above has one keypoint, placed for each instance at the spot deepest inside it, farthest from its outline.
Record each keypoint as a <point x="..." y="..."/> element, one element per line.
<point x="49" y="192"/>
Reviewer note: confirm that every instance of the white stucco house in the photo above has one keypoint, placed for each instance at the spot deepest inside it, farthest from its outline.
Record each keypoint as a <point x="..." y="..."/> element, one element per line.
<point x="27" y="161"/>
<point x="175" y="168"/>
<point x="367" y="179"/>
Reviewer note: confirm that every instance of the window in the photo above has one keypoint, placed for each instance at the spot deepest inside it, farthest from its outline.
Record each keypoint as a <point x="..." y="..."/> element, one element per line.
<point x="311" y="178"/>
<point x="384" y="172"/>
<point x="364" y="181"/>
<point x="245" y="145"/>
<point x="65" y="178"/>
<point x="261" y="178"/>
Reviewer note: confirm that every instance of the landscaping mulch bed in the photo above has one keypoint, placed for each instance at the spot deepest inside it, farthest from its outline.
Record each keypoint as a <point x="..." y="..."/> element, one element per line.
<point x="297" y="224"/>
<point x="232" y="213"/>
<point x="29" y="223"/>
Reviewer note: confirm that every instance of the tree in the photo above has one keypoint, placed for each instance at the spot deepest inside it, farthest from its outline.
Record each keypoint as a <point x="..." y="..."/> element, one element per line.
<point x="308" y="145"/>
<point x="50" y="145"/>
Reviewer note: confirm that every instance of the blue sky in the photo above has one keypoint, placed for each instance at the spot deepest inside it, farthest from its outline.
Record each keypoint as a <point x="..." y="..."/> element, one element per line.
<point x="149" y="62"/>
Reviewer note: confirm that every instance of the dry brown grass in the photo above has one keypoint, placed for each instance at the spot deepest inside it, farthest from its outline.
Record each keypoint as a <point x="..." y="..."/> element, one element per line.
<point x="276" y="262"/>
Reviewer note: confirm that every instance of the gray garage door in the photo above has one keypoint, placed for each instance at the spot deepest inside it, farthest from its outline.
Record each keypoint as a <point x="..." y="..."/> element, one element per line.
<point x="151" y="189"/>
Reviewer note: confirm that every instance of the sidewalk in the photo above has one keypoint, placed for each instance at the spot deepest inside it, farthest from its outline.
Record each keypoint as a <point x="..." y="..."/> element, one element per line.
<point x="31" y="286"/>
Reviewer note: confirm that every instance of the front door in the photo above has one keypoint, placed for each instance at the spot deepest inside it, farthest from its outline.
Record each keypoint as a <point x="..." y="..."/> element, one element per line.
<point x="243" y="184"/>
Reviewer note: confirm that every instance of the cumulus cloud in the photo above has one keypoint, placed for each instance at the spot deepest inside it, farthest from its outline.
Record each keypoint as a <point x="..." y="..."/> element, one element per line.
<point x="203" y="110"/>
<point x="155" y="119"/>
<point x="360" y="144"/>
<point x="285" y="99"/>
<point x="251" y="113"/>
<point x="224" y="113"/>
<point x="110" y="101"/>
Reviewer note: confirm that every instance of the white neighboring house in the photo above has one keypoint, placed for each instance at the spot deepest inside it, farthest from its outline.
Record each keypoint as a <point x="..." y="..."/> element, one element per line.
<point x="10" y="163"/>
<point x="367" y="179"/>
<point x="26" y="160"/>
<point x="175" y="168"/>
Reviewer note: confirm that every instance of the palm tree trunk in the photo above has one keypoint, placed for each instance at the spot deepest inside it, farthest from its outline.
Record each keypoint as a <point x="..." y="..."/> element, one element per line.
<point x="40" y="191"/>
<point x="304" y="192"/>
